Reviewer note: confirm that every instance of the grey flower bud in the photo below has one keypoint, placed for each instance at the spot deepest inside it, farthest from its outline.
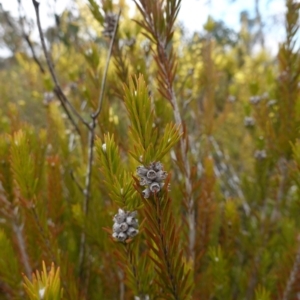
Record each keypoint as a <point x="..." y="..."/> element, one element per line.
<point x="117" y="228"/>
<point x="260" y="154"/>
<point x="271" y="102"/>
<point x="122" y="236"/>
<point x="145" y="181"/>
<point x="151" y="174"/>
<point x="123" y="227"/>
<point x="231" y="98"/>
<point x="154" y="187"/>
<point x="132" y="232"/>
<point x="141" y="171"/>
<point x="109" y="24"/>
<point x="249" y="122"/>
<point x="131" y="221"/>
<point x="120" y="217"/>
<point x="146" y="193"/>
<point x="255" y="99"/>
<point x="127" y="228"/>
<point x="161" y="175"/>
<point x="132" y="214"/>
<point x="48" y="97"/>
<point x="158" y="166"/>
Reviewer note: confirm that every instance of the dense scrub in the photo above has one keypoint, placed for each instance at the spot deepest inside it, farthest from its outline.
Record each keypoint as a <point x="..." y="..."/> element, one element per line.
<point x="136" y="163"/>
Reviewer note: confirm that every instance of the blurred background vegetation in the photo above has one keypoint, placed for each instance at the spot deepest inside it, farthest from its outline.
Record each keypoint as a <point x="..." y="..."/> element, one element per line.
<point x="240" y="106"/>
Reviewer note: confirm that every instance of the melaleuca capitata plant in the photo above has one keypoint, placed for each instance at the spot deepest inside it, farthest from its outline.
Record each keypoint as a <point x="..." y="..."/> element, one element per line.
<point x="138" y="161"/>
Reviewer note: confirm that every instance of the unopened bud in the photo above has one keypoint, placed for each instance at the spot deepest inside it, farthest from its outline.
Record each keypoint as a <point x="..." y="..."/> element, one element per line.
<point x="120" y="217"/>
<point x="122" y="236"/>
<point x="151" y="174"/>
<point x="132" y="232"/>
<point x="158" y="166"/>
<point x="249" y="122"/>
<point x="161" y="175"/>
<point x="255" y="99"/>
<point x="117" y="228"/>
<point x="123" y="227"/>
<point x="141" y="171"/>
<point x="131" y="221"/>
<point x="145" y="181"/>
<point x="132" y="214"/>
<point x="154" y="187"/>
<point x="146" y="193"/>
<point x="260" y="154"/>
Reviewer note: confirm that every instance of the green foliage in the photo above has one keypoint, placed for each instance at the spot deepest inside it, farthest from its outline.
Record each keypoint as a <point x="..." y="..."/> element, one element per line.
<point x="224" y="225"/>
<point x="118" y="182"/>
<point x="147" y="146"/>
<point x="44" y="285"/>
<point x="9" y="268"/>
<point x="262" y="294"/>
<point x="175" y="278"/>
<point x="27" y="161"/>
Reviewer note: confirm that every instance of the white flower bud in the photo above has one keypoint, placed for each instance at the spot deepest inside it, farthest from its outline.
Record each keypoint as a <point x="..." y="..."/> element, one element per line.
<point x="120" y="217"/>
<point x="132" y="232"/>
<point x="161" y="175"/>
<point x="249" y="122"/>
<point x="123" y="227"/>
<point x="121" y="212"/>
<point x="271" y="102"/>
<point x="117" y="228"/>
<point x="158" y="166"/>
<point x="260" y="154"/>
<point x="145" y="181"/>
<point x="146" y="193"/>
<point x="122" y="236"/>
<point x="132" y="214"/>
<point x="231" y="98"/>
<point x="104" y="147"/>
<point x="115" y="235"/>
<point x="154" y="187"/>
<point x="131" y="221"/>
<point x="255" y="99"/>
<point x="141" y="171"/>
<point x="151" y="174"/>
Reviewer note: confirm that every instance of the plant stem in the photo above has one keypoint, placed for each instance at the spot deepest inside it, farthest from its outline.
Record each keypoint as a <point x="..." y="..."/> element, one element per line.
<point x="58" y="91"/>
<point x="92" y="126"/>
<point x="18" y="230"/>
<point x="293" y="276"/>
<point x="28" y="41"/>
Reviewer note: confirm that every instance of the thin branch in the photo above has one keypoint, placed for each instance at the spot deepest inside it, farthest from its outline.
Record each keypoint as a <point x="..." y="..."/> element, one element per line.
<point x="43" y="234"/>
<point x="293" y="276"/>
<point x="28" y="41"/>
<point x="8" y="210"/>
<point x="18" y="230"/>
<point x="92" y="127"/>
<point x="98" y="110"/>
<point x="58" y="91"/>
<point x="166" y="65"/>
<point x="76" y="182"/>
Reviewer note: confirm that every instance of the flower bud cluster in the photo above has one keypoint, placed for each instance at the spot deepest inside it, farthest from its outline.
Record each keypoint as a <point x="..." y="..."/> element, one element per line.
<point x="255" y="99"/>
<point x="109" y="24"/>
<point x="125" y="225"/>
<point x="249" y="121"/>
<point x="231" y="98"/>
<point x="48" y="98"/>
<point x="260" y="154"/>
<point x="152" y="178"/>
